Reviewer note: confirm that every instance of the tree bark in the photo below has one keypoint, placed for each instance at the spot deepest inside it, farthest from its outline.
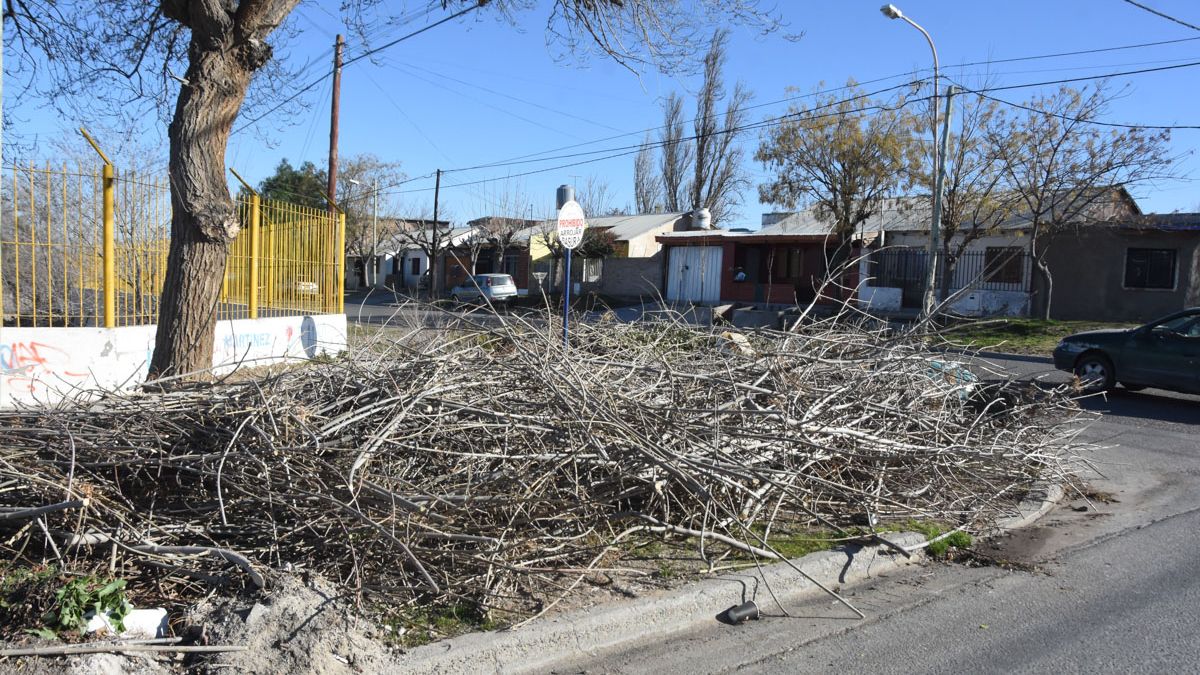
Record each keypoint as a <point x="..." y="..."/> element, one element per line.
<point x="227" y="46"/>
<point x="1047" y="286"/>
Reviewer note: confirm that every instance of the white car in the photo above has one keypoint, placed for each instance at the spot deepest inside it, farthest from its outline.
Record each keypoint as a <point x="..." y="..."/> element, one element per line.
<point x="495" y="288"/>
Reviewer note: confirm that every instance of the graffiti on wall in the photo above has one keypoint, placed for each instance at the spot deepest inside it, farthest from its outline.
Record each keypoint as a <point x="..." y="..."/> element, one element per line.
<point x="28" y="366"/>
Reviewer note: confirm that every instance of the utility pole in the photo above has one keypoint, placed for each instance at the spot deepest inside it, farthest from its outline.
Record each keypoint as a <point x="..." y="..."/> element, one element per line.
<point x="334" y="109"/>
<point x="433" y="280"/>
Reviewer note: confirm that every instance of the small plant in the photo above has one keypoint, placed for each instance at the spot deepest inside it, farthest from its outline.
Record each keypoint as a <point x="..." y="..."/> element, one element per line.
<point x="80" y="596"/>
<point x="957" y="539"/>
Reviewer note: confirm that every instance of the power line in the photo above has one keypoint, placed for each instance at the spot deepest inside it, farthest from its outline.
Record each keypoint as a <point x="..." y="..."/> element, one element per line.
<point x="509" y="160"/>
<point x="1168" y="17"/>
<point x="629" y="150"/>
<point x="1069" y="118"/>
<point x="349" y="61"/>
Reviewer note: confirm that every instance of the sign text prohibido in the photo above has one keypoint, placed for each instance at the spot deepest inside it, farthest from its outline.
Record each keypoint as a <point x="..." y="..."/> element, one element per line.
<point x="571" y="224"/>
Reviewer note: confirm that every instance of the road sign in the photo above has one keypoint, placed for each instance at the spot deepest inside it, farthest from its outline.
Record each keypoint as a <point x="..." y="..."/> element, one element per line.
<point x="571" y="224"/>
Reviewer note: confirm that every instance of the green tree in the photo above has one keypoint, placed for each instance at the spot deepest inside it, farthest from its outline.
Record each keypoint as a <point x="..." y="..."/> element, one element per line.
<point x="304" y="186"/>
<point x="844" y="153"/>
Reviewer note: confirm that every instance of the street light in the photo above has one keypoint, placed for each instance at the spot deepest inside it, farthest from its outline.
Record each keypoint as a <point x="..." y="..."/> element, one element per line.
<point x="374" y="230"/>
<point x="927" y="302"/>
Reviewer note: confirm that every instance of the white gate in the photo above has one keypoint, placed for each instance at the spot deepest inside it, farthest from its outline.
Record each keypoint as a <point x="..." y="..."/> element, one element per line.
<point x="694" y="274"/>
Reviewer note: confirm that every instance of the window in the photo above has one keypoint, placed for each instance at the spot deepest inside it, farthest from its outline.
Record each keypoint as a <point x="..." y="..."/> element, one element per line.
<point x="1004" y="264"/>
<point x="415" y="266"/>
<point x="1150" y="268"/>
<point x="592" y="269"/>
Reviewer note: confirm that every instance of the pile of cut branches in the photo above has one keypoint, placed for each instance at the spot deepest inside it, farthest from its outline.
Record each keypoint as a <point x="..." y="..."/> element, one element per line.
<point x="483" y="463"/>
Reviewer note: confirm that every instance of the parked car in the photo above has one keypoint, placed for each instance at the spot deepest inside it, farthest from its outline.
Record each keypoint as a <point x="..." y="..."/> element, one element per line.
<point x="496" y="288"/>
<point x="1164" y="353"/>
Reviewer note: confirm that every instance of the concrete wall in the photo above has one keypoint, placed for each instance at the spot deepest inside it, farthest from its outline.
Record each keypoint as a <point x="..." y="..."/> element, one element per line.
<point x="46" y="365"/>
<point x="1089" y="276"/>
<point x="630" y="278"/>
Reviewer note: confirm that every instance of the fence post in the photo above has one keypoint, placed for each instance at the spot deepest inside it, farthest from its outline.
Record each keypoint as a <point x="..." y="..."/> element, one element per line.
<point x="340" y="263"/>
<point x="255" y="202"/>
<point x="110" y="247"/>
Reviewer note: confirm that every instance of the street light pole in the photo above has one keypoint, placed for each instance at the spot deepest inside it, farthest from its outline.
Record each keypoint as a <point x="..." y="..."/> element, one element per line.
<point x="373" y="273"/>
<point x="928" y="301"/>
<point x="375" y="234"/>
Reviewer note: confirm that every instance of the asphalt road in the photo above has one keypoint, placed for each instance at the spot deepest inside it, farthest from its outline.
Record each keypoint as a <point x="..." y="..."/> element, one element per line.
<point x="1094" y="586"/>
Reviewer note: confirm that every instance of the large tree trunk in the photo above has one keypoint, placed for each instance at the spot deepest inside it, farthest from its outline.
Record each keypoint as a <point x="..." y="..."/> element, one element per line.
<point x="227" y="46"/>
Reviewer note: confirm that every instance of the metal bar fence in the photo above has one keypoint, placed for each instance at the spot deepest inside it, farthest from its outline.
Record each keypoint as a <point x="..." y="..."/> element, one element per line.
<point x="57" y="233"/>
<point x="997" y="268"/>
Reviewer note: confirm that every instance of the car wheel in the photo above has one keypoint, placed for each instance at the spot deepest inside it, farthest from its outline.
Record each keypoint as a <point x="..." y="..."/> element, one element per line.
<point x="1133" y="387"/>
<point x="1095" y="372"/>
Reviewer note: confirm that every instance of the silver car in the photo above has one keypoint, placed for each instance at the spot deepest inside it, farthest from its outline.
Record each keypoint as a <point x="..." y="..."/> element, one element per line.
<point x="495" y="288"/>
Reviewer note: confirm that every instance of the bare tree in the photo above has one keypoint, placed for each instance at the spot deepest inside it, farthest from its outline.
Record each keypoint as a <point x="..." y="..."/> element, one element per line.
<point x="433" y="239"/>
<point x="718" y="178"/>
<point x="360" y="175"/>
<point x="843" y="159"/>
<point x="595" y="197"/>
<point x="975" y="202"/>
<point x="220" y="47"/>
<point x="676" y="155"/>
<point x="1065" y="171"/>
<point x="647" y="185"/>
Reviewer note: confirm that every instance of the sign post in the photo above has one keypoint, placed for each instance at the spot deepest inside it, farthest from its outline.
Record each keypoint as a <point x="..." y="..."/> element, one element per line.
<point x="571" y="224"/>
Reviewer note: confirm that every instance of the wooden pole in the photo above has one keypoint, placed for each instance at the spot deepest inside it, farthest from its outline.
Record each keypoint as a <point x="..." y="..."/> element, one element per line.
<point x="334" y="110"/>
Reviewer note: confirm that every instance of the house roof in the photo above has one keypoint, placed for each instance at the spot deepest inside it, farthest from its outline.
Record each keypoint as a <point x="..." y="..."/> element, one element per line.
<point x="623" y="228"/>
<point x="407" y="241"/>
<point x="1166" y="222"/>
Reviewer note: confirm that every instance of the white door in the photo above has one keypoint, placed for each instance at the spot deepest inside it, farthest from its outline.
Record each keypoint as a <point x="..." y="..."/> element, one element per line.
<point x="694" y="274"/>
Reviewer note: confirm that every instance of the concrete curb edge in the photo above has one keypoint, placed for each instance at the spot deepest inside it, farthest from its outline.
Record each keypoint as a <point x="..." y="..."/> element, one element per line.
<point x="577" y="635"/>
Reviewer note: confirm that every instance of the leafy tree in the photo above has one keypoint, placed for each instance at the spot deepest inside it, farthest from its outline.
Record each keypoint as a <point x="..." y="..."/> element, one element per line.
<point x="844" y="154"/>
<point x="125" y="51"/>
<point x="302" y="186"/>
<point x="1064" y="170"/>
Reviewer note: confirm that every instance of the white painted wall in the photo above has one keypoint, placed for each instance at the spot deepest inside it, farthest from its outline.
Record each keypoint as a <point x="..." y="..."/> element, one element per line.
<point x="47" y="365"/>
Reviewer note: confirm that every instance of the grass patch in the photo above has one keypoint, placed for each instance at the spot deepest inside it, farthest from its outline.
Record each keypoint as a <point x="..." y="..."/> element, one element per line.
<point x="422" y="625"/>
<point x="1021" y="336"/>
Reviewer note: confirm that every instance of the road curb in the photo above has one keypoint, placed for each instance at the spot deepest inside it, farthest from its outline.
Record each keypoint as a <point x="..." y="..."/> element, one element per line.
<point x="580" y="634"/>
<point x="1028" y="358"/>
<point x="1038" y="503"/>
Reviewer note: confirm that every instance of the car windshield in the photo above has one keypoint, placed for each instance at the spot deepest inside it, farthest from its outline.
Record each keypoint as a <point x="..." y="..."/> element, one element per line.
<point x="1184" y="325"/>
<point x="502" y="280"/>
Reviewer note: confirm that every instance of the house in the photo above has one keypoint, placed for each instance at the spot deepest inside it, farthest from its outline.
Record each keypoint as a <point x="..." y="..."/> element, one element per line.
<point x="403" y="258"/>
<point x="787" y="262"/>
<point x="633" y="271"/>
<point x="1134" y="269"/>
<point x="1117" y="265"/>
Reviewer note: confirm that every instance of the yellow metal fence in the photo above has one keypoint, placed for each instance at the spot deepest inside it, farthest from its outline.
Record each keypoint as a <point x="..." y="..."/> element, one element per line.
<point x="59" y="226"/>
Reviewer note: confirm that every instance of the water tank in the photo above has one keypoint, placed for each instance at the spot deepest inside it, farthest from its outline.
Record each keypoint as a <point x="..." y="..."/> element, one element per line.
<point x="566" y="193"/>
<point x="702" y="219"/>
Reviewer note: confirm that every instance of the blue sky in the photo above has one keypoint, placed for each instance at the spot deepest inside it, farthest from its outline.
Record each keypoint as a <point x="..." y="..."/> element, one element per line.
<point x="480" y="90"/>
